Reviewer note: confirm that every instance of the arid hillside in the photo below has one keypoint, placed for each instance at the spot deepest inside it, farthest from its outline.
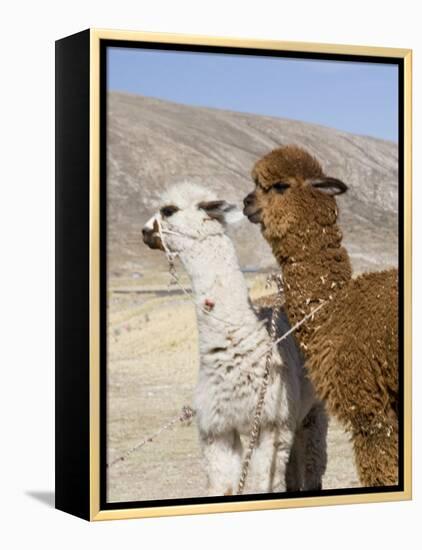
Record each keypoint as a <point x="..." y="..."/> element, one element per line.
<point x="153" y="144"/>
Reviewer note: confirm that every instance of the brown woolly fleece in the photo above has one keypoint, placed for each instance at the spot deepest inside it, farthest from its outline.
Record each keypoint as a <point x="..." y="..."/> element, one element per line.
<point x="351" y="344"/>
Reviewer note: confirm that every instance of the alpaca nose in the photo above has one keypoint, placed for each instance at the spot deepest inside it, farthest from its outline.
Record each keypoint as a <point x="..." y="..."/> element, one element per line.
<point x="248" y="200"/>
<point x="151" y="238"/>
<point x="147" y="234"/>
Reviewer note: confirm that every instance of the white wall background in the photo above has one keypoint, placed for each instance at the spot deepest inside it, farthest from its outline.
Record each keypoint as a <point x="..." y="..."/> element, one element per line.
<point x="27" y="270"/>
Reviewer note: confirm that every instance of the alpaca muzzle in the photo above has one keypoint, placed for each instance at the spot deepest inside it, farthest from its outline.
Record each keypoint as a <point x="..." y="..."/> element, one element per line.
<point x="251" y="210"/>
<point x="151" y="237"/>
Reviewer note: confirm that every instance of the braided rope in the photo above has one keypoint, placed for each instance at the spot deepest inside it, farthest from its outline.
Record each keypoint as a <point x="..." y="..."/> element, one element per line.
<point x="256" y="424"/>
<point x="185" y="416"/>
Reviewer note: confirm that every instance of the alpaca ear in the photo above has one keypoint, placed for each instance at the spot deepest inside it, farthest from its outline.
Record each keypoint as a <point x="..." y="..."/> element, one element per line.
<point x="331" y="186"/>
<point x="221" y="211"/>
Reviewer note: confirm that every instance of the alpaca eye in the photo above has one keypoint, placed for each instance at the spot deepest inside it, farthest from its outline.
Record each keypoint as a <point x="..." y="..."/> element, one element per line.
<point x="168" y="211"/>
<point x="280" y="187"/>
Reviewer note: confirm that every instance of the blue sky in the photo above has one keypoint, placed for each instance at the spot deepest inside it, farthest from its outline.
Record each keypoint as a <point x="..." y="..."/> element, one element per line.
<point x="361" y="98"/>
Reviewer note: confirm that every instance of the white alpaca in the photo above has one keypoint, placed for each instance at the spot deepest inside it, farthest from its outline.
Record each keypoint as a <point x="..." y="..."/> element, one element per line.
<point x="233" y="341"/>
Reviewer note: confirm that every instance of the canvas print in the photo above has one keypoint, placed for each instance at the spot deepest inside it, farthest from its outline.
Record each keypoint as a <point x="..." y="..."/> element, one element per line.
<point x="252" y="281"/>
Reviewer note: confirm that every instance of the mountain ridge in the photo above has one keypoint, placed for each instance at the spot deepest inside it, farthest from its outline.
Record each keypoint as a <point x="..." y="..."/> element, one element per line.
<point x="153" y="143"/>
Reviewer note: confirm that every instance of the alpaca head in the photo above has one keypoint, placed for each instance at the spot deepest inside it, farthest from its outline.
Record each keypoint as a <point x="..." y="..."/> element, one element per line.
<point x="292" y="198"/>
<point x="188" y="212"/>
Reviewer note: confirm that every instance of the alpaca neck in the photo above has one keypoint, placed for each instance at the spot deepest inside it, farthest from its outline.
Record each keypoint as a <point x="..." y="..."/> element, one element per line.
<point x="218" y="284"/>
<point x="313" y="273"/>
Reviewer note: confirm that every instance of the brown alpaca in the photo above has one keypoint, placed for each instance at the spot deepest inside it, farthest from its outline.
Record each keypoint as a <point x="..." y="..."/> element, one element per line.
<point x="351" y="344"/>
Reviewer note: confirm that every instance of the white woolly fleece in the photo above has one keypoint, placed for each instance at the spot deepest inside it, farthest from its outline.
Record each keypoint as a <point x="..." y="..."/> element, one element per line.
<point x="233" y="355"/>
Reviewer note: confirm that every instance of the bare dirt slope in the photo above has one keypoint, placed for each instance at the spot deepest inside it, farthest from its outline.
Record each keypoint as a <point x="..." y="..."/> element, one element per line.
<point x="153" y="144"/>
